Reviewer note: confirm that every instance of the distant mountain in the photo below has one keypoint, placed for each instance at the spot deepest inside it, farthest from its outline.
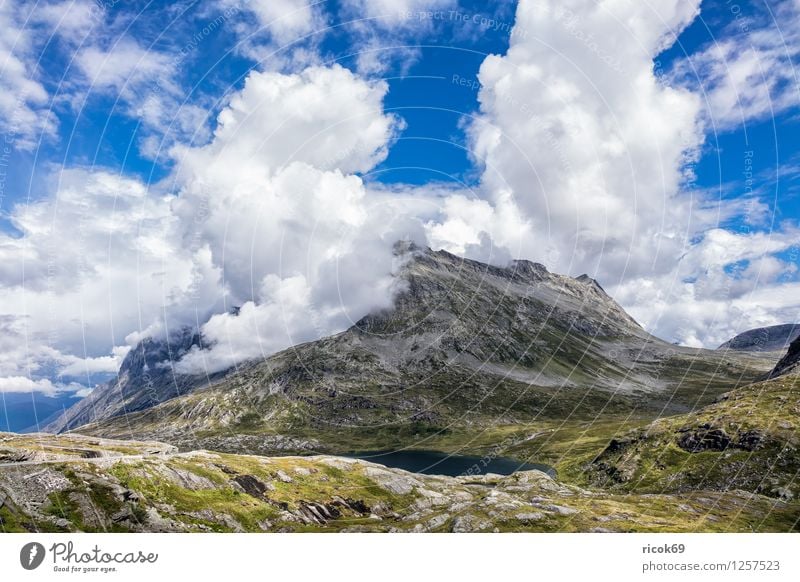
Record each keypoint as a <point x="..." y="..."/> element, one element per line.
<point x="764" y="339"/>
<point x="466" y="344"/>
<point x="145" y="379"/>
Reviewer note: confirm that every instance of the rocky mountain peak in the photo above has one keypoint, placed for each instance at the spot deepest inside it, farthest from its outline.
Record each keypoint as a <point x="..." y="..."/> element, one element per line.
<point x="453" y="320"/>
<point x="145" y="379"/>
<point x="790" y="363"/>
<point x="151" y="353"/>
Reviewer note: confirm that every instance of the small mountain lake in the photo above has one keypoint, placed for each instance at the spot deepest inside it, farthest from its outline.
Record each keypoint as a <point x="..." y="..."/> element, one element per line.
<point x="438" y="463"/>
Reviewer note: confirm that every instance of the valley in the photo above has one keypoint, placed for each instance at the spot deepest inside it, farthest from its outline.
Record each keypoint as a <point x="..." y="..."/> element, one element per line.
<point x="500" y="365"/>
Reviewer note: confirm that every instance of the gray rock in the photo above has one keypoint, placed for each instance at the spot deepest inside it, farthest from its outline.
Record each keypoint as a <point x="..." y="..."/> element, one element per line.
<point x="283" y="477"/>
<point x="469" y="523"/>
<point x="396" y="483"/>
<point x="529" y="516"/>
<point x="561" y="509"/>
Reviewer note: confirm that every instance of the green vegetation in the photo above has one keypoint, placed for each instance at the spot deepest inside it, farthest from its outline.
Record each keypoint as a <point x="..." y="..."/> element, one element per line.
<point x="748" y="440"/>
<point x="225" y="492"/>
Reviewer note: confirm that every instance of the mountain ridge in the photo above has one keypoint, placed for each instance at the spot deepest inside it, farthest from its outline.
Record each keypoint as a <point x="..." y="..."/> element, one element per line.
<point x="465" y="344"/>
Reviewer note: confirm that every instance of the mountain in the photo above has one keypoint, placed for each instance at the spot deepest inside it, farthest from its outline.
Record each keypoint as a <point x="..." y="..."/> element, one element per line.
<point x="76" y="483"/>
<point x="764" y="339"/>
<point x="466" y="345"/>
<point x="145" y="378"/>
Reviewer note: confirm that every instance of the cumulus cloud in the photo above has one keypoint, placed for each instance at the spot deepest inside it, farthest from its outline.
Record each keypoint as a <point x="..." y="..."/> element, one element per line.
<point x="270" y="218"/>
<point x="749" y="74"/>
<point x="303" y="247"/>
<point x="97" y="258"/>
<point x="590" y="157"/>
<point x="25" y="117"/>
<point x="587" y="160"/>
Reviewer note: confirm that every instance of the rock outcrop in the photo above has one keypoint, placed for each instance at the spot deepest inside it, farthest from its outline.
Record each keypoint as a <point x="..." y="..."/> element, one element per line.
<point x="747" y="440"/>
<point x="790" y="363"/>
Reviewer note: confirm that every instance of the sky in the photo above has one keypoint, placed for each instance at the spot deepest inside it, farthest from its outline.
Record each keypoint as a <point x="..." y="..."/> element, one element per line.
<point x="244" y="168"/>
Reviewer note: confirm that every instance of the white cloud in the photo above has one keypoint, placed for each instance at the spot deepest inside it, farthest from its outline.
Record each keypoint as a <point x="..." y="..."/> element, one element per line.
<point x="724" y="284"/>
<point x="277" y="34"/>
<point x="25" y="116"/>
<point x="304" y="248"/>
<point x="72" y="20"/>
<point x="271" y="204"/>
<point x="285" y="20"/>
<point x="587" y="157"/>
<point x="74" y="367"/>
<point x="125" y="66"/>
<point x="326" y="117"/>
<point x="97" y="258"/>
<point x="582" y="156"/>
<point x="750" y="73"/>
<point x="23" y="384"/>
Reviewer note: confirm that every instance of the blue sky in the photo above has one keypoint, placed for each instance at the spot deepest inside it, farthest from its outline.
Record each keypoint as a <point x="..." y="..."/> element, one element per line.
<point x="150" y="181"/>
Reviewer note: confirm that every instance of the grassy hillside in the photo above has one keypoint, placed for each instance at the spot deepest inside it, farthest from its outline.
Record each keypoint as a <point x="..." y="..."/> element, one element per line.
<point x="747" y="440"/>
<point x="73" y="483"/>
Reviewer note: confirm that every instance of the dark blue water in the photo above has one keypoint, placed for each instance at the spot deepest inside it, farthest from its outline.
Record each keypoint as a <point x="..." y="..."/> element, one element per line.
<point x="437" y="463"/>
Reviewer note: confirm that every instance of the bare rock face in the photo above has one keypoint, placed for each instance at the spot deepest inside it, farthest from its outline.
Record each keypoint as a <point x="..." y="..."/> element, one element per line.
<point x="790" y="363"/>
<point x="203" y="491"/>
<point x="146" y="378"/>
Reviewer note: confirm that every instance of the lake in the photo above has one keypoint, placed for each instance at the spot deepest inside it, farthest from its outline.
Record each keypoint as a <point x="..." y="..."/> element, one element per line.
<point x="438" y="463"/>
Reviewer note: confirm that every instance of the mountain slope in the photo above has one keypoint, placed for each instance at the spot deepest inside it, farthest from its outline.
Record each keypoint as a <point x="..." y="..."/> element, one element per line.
<point x="747" y="440"/>
<point x="764" y="339"/>
<point x="790" y="363"/>
<point x="145" y="379"/>
<point x="466" y="344"/>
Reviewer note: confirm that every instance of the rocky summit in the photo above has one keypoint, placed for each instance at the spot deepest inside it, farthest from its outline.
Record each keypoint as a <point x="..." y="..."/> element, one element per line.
<point x="146" y="378"/>
<point x="466" y="344"/>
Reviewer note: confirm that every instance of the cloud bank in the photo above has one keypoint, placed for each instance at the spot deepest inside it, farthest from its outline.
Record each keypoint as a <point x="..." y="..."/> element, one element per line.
<point x="267" y="234"/>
